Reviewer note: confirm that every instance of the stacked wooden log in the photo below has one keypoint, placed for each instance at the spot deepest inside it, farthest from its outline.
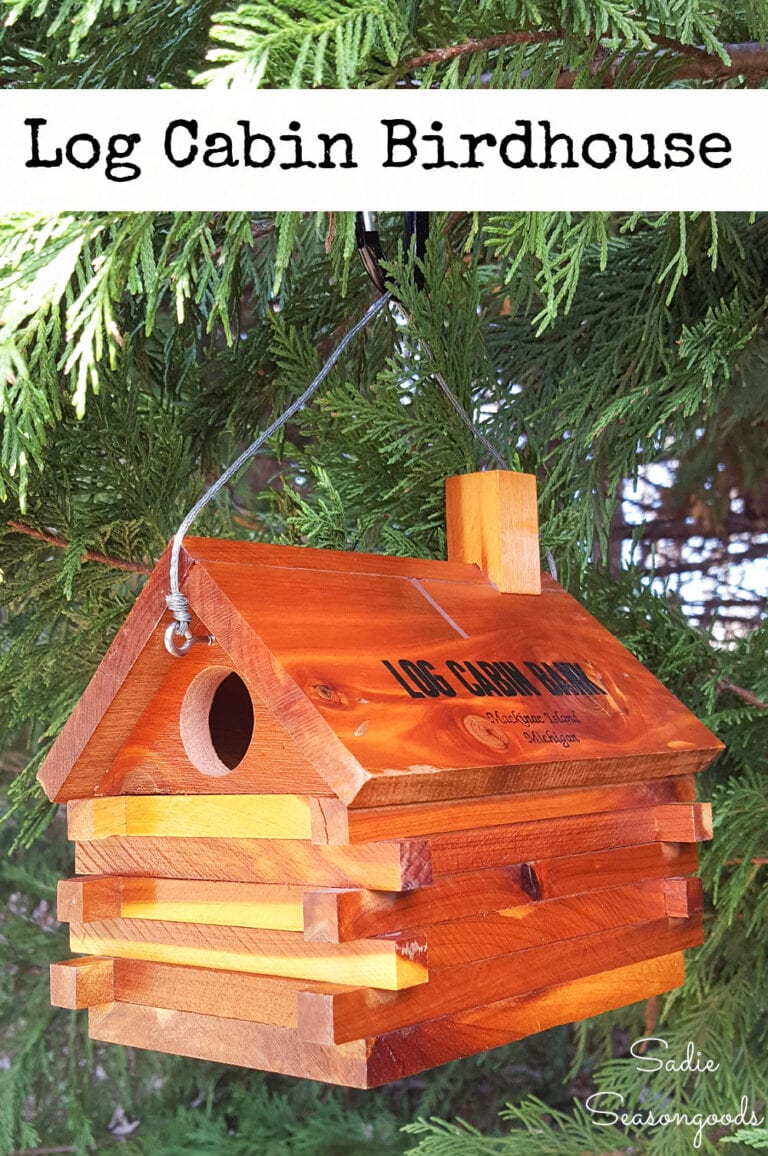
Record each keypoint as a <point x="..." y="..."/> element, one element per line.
<point x="357" y="946"/>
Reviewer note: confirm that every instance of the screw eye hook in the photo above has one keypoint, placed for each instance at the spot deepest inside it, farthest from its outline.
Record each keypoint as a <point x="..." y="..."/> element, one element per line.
<point x="179" y="649"/>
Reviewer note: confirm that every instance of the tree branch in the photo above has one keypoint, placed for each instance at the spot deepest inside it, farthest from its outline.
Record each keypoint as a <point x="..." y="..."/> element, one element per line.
<point x="88" y="555"/>
<point x="503" y="40"/>
<point x="749" y="59"/>
<point x="749" y="696"/>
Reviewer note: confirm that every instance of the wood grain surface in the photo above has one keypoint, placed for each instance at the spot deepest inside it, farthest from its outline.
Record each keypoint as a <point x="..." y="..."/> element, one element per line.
<point x="456" y="851"/>
<point x="336" y="707"/>
<point x="390" y="964"/>
<point x="683" y="897"/>
<point x="268" y="906"/>
<point x="474" y="938"/>
<point x="78" y="758"/>
<point x="191" y="817"/>
<point x="81" y="983"/>
<point x="491" y="519"/>
<point x="337" y="665"/>
<point x="153" y="759"/>
<point x="394" y="1055"/>
<point x="80" y="900"/>
<point x="335" y="1018"/>
<point x="387" y="866"/>
<point x="256" y="998"/>
<point x="571" y="874"/>
<point x="334" y="916"/>
<point x="334" y="823"/>
<point x="423" y="785"/>
<point x="345" y="562"/>
<point x="380" y="1059"/>
<point x="228" y="1041"/>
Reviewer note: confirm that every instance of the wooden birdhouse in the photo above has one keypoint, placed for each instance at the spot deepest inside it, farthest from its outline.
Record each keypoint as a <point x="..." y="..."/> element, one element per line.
<point x="400" y="811"/>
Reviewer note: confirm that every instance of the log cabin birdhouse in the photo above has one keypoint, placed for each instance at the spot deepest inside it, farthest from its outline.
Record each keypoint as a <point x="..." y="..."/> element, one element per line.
<point x="398" y="812"/>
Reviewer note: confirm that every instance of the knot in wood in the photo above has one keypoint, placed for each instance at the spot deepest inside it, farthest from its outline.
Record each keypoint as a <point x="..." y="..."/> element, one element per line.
<point x="485" y="732"/>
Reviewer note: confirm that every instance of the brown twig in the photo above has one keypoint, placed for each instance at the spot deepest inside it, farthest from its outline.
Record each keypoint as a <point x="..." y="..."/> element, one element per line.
<point x="738" y="862"/>
<point x="88" y="556"/>
<point x="503" y="40"/>
<point x="749" y="59"/>
<point x="749" y="696"/>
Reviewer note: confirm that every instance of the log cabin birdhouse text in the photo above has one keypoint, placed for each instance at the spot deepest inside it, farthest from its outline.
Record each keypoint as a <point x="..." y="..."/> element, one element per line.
<point x="398" y="812"/>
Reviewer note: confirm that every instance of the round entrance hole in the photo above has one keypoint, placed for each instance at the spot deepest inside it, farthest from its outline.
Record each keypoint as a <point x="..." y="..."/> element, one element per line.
<point x="217" y="721"/>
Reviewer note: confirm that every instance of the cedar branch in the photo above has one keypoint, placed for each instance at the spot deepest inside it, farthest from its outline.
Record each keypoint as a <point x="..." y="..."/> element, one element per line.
<point x="749" y="696"/>
<point x="746" y="59"/>
<point x="503" y="40"/>
<point x="88" y="555"/>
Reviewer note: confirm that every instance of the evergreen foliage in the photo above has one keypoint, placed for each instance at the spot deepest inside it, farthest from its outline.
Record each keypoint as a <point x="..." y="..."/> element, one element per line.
<point x="139" y="353"/>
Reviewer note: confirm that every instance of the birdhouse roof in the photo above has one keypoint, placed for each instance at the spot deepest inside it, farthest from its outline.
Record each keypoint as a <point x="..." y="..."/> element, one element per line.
<point x="396" y="679"/>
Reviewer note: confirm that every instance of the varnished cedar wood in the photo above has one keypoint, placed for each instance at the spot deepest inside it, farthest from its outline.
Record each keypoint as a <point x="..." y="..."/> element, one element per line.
<point x="329" y="821"/>
<point x="263" y="999"/>
<point x="309" y="674"/>
<point x="340" y="915"/>
<point x="390" y="866"/>
<point x="657" y="831"/>
<point x="339" y="1017"/>
<point x="492" y="519"/>
<point x="334" y="916"/>
<point x="82" y="983"/>
<point x="379" y="962"/>
<point x="388" y="963"/>
<point x="76" y="764"/>
<point x="270" y="906"/>
<point x="455" y="949"/>
<point x="376" y="1060"/>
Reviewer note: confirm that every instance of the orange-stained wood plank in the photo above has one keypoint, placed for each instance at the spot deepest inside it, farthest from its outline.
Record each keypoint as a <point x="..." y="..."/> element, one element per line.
<point x="62" y="775"/>
<point x="683" y="897"/>
<point x="338" y="916"/>
<point x="360" y="721"/>
<point x="80" y="900"/>
<point x="571" y="874"/>
<point x="79" y="983"/>
<point x="264" y="554"/>
<point x="191" y="817"/>
<point x="334" y="823"/>
<point x="422" y="785"/>
<point x="267" y="906"/>
<point x="92" y="819"/>
<point x="332" y="716"/>
<point x="334" y="916"/>
<point x="153" y="759"/>
<point x="464" y="941"/>
<point x="228" y="1041"/>
<point x="256" y="998"/>
<point x="388" y="866"/>
<point x="492" y="520"/>
<point x="338" y="1017"/>
<point x="676" y="823"/>
<point x="406" y="1052"/>
<point x="390" y="964"/>
<point x="373" y="1061"/>
<point x="457" y="851"/>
